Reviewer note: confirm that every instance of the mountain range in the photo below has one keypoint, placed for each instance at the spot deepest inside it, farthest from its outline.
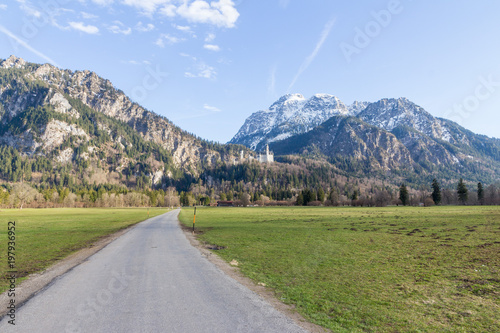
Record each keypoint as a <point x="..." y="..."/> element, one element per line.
<point x="73" y="116"/>
<point x="391" y="135"/>
<point x="78" y="126"/>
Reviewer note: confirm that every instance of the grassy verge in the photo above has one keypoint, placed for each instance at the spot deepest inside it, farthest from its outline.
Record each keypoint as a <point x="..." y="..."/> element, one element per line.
<point x="396" y="269"/>
<point x="44" y="236"/>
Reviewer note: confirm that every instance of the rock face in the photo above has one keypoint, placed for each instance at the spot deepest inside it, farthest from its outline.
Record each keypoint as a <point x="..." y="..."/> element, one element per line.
<point x="350" y="138"/>
<point x="25" y="85"/>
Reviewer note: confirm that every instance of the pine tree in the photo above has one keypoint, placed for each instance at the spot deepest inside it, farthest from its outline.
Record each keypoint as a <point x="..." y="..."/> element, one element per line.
<point x="462" y="191"/>
<point x="436" y="192"/>
<point x="321" y="195"/>
<point x="480" y="193"/>
<point x="403" y="195"/>
<point x="300" y="199"/>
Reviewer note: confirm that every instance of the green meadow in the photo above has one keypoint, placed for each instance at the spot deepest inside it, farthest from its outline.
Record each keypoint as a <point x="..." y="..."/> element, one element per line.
<point x="395" y="269"/>
<point x="44" y="236"/>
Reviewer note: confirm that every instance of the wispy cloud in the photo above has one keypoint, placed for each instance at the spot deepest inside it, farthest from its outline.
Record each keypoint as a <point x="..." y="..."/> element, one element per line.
<point x="210" y="37"/>
<point x="103" y="2"/>
<point x="307" y="62"/>
<point x="137" y="63"/>
<point x="211" y="108"/>
<point x="27" y="46"/>
<point x="184" y="28"/>
<point x="212" y="47"/>
<point x="119" y="28"/>
<point x="271" y="87"/>
<point x="88" y="16"/>
<point x="28" y="8"/>
<point x="144" y="28"/>
<point x="88" y="29"/>
<point x="169" y="39"/>
<point x="201" y="70"/>
<point x="3" y="6"/>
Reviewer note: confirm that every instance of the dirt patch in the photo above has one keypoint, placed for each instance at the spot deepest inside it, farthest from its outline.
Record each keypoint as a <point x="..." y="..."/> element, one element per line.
<point x="261" y="290"/>
<point x="38" y="281"/>
<point x="411" y="233"/>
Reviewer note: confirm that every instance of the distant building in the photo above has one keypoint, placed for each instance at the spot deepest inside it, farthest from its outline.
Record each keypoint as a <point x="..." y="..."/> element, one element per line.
<point x="267" y="158"/>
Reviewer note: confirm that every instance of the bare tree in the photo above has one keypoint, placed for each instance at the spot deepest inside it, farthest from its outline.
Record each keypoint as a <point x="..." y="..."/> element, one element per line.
<point x="245" y="200"/>
<point x="23" y="194"/>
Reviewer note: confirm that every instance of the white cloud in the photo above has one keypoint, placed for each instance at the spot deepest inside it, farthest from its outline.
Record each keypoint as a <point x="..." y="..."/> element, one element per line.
<point x="212" y="47"/>
<point x="103" y="2"/>
<point x="168" y="39"/>
<point x="221" y="13"/>
<point x="137" y="63"/>
<point x="144" y="28"/>
<point x="119" y="28"/>
<point x="210" y="37"/>
<point x="29" y="9"/>
<point x="202" y="70"/>
<point x="324" y="35"/>
<point x="187" y="56"/>
<point x="147" y="7"/>
<point x="211" y="108"/>
<point x="182" y="27"/>
<point x="168" y="10"/>
<point x="3" y="6"/>
<point x="88" y="29"/>
<point x="88" y="16"/>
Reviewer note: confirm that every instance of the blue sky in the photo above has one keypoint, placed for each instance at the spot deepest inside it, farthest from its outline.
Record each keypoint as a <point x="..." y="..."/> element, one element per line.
<point x="207" y="65"/>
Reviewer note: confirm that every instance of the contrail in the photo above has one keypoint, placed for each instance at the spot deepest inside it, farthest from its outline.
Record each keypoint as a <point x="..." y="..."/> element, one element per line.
<point x="324" y="35"/>
<point x="26" y="45"/>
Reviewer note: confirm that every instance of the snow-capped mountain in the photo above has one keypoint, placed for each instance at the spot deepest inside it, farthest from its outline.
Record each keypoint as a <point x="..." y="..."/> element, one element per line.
<point x="390" y="134"/>
<point x="356" y="107"/>
<point x="292" y="114"/>
<point x="391" y="113"/>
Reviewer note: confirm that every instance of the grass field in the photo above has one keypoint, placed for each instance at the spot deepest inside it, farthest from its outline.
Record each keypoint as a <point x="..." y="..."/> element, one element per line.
<point x="396" y="269"/>
<point x="45" y="235"/>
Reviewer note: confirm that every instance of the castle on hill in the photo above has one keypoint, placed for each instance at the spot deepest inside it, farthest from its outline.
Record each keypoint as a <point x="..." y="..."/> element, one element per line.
<point x="264" y="157"/>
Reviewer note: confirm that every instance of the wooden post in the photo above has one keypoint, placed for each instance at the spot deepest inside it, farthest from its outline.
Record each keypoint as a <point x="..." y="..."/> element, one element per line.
<point x="194" y="218"/>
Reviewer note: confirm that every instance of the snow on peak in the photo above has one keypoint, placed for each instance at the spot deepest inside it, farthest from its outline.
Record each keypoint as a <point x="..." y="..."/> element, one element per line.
<point x="291" y="114"/>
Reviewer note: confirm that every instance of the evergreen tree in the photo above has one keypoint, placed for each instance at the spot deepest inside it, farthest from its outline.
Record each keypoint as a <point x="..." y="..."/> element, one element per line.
<point x="300" y="199"/>
<point x="321" y="195"/>
<point x="480" y="193"/>
<point x="462" y="191"/>
<point x="308" y="196"/>
<point x="436" y="192"/>
<point x="404" y="195"/>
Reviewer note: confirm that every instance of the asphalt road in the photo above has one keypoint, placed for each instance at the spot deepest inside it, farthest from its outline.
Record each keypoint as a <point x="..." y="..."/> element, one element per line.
<point x="148" y="280"/>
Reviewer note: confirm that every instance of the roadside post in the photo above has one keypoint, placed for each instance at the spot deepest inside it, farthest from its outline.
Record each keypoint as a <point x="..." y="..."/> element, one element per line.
<point x="194" y="218"/>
